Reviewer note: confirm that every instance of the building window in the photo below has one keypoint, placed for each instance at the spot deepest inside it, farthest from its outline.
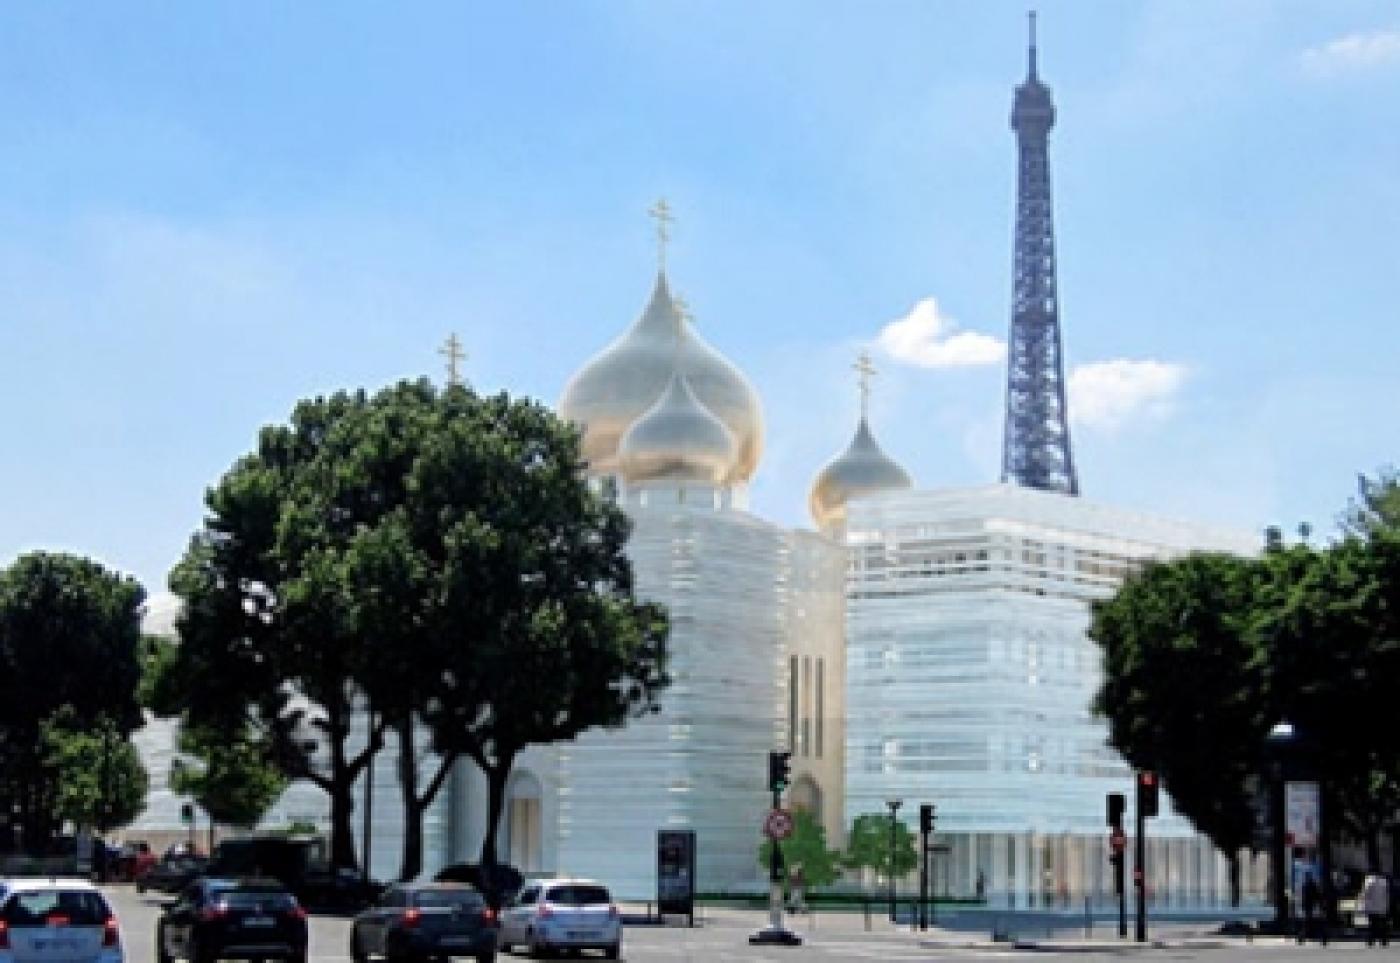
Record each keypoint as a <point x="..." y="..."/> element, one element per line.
<point x="792" y="704"/>
<point x="821" y="702"/>
<point x="806" y="706"/>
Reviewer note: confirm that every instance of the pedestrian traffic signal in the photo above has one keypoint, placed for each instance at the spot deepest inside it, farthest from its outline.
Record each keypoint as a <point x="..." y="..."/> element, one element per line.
<point x="928" y="813"/>
<point x="1116" y="804"/>
<point x="1147" y="794"/>
<point x="778" y="771"/>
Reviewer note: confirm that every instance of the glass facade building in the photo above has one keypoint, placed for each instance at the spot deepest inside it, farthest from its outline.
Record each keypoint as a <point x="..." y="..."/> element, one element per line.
<point x="970" y="678"/>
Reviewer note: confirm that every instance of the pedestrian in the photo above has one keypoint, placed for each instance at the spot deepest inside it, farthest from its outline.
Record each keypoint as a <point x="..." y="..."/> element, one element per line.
<point x="1311" y="898"/>
<point x="1375" y="902"/>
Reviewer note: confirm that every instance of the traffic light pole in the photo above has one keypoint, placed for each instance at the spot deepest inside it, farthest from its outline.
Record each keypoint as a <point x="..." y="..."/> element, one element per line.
<point x="1140" y="875"/>
<point x="775" y="934"/>
<point x="923" y="879"/>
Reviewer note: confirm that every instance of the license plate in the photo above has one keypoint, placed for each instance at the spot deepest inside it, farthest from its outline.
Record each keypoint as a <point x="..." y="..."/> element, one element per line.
<point x="259" y="922"/>
<point x="455" y="940"/>
<point x="70" y="946"/>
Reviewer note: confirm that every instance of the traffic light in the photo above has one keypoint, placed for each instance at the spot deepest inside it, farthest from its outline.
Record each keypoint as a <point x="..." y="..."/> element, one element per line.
<point x="778" y="771"/>
<point x="1116" y="804"/>
<point x="928" y="813"/>
<point x="1147" y="794"/>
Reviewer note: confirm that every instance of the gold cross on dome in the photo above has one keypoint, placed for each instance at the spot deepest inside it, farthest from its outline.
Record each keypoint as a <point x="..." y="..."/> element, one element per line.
<point x="664" y="219"/>
<point x="865" y="370"/>
<point x="452" y="351"/>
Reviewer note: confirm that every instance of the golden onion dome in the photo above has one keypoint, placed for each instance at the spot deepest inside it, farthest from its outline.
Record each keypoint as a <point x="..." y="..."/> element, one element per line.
<point x="622" y="382"/>
<point x="862" y="469"/>
<point x="677" y="439"/>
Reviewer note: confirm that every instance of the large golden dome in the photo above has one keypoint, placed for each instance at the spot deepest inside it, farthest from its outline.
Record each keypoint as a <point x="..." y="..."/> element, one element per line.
<point x="862" y="469"/>
<point x="627" y="377"/>
<point x="677" y="439"/>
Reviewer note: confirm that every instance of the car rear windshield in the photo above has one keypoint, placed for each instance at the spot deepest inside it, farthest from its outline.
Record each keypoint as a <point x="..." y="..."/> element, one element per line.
<point x="578" y="895"/>
<point x="268" y="899"/>
<point x="42" y="907"/>
<point x="458" y="899"/>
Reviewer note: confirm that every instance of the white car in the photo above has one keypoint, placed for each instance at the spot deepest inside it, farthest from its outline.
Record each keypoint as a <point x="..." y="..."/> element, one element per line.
<point x="58" y="920"/>
<point x="562" y="914"/>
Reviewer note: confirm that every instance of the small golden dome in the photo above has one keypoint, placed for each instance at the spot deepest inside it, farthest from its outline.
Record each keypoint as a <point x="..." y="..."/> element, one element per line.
<point x="623" y="381"/>
<point x="862" y="469"/>
<point x="677" y="439"/>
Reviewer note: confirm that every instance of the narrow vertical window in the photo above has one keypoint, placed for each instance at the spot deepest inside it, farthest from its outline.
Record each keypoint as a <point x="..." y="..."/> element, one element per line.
<point x="792" y="704"/>
<point x="821" y="702"/>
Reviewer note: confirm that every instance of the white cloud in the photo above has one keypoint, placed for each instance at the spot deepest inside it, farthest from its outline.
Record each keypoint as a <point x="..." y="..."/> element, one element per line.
<point x="930" y="339"/>
<point x="1355" y="51"/>
<point x="1106" y="395"/>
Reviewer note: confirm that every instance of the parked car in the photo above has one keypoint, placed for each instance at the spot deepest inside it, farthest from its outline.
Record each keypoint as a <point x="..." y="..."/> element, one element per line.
<point x="220" y="919"/>
<point x="562" y="914"/>
<point x="57" y="919"/>
<point x="300" y="863"/>
<point x="172" y="874"/>
<point x="499" y="886"/>
<point x="424" y="921"/>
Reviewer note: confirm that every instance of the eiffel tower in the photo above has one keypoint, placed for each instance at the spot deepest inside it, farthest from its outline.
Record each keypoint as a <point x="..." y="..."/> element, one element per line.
<point x="1036" y="450"/>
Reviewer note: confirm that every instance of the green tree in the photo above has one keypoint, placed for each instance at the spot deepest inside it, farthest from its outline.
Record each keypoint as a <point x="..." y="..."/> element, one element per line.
<point x="99" y="779"/>
<point x="534" y="587"/>
<point x="868" y="846"/>
<point x="807" y="848"/>
<point x="1182" y="688"/>
<point x="1334" y="636"/>
<point x="69" y="638"/>
<point x="230" y="779"/>
<point x="269" y="649"/>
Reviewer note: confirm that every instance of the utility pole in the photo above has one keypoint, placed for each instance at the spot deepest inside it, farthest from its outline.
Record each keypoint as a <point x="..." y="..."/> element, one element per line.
<point x="1146" y="807"/>
<point x="777" y="826"/>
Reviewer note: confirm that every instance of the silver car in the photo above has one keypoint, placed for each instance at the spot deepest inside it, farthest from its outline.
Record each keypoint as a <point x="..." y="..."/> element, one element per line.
<point x="58" y="920"/>
<point x="562" y="914"/>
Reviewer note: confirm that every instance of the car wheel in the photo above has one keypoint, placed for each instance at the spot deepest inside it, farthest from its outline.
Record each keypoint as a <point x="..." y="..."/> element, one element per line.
<point x="613" y="952"/>
<point x="357" y="947"/>
<point x="162" y="954"/>
<point x="201" y="955"/>
<point x="539" y="950"/>
<point x="486" y="958"/>
<point x="297" y="957"/>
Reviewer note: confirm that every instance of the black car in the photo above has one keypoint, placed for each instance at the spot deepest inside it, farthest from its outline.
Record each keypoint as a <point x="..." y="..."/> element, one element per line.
<point x="217" y="919"/>
<point x="172" y="874"/>
<point x="300" y="864"/>
<point x="425" y="921"/>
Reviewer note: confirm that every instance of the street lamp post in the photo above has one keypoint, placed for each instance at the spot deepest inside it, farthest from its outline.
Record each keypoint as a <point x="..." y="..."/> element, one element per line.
<point x="894" y="805"/>
<point x="1279" y="742"/>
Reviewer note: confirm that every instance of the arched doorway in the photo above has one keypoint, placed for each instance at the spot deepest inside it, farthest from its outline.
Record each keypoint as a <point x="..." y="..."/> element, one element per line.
<point x="524" y="823"/>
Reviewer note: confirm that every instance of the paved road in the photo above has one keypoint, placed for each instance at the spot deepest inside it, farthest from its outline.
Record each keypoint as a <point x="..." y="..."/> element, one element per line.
<point x="829" y="938"/>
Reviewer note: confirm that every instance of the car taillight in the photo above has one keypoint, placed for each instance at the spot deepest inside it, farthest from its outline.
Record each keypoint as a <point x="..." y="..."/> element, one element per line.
<point x="4" y="935"/>
<point x="57" y="919"/>
<point x="411" y="916"/>
<point x="297" y="912"/>
<point x="546" y="911"/>
<point x="216" y="912"/>
<point x="111" y="933"/>
<point x="488" y="916"/>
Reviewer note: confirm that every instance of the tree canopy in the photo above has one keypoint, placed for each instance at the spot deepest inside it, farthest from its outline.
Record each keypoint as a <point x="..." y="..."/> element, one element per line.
<point x="434" y="557"/>
<point x="1202" y="655"/>
<point x="70" y="667"/>
<point x="868" y="846"/>
<point x="805" y="848"/>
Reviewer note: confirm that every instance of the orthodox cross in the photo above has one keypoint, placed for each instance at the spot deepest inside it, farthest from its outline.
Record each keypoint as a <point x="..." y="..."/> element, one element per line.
<point x="664" y="219"/>
<point x="452" y="351"/>
<point x="864" y="371"/>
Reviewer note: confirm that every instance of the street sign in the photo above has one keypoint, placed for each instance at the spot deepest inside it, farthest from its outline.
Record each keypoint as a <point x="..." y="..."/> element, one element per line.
<point x="777" y="824"/>
<point x="1302" y="804"/>
<point x="675" y="872"/>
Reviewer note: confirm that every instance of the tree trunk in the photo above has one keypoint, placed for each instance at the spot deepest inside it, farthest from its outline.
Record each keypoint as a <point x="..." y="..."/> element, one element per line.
<point x="411" y="860"/>
<point x="1234" y="861"/>
<point x="339" y="787"/>
<point x="496" y="777"/>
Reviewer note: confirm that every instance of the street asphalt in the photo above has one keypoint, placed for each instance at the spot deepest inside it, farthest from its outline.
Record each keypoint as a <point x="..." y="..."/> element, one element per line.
<point x="722" y="934"/>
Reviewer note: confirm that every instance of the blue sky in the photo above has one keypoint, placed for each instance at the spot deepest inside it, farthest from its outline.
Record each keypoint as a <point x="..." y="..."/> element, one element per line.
<point x="208" y="211"/>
